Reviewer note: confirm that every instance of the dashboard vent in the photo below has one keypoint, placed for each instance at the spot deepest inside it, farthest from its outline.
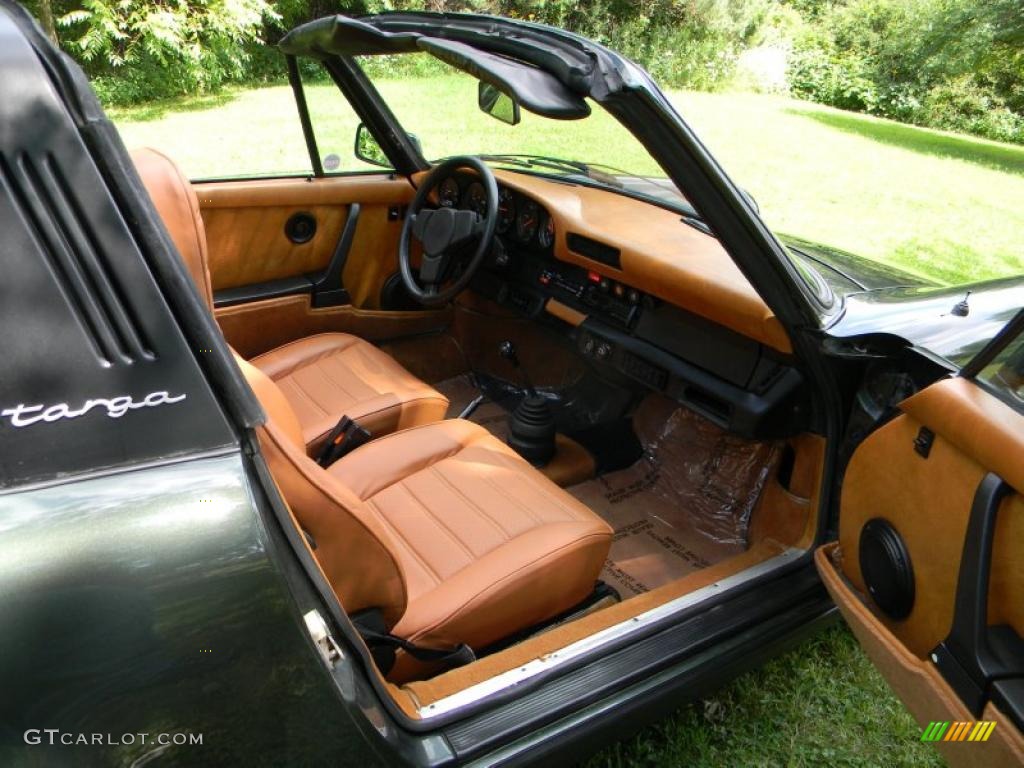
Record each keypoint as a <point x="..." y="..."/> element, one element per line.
<point x="584" y="246"/>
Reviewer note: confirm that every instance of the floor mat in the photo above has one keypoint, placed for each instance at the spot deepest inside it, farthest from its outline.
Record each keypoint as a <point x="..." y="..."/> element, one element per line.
<point x="685" y="505"/>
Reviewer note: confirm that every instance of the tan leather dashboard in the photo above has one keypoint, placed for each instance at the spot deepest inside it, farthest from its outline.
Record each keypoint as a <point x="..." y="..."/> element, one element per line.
<point x="660" y="254"/>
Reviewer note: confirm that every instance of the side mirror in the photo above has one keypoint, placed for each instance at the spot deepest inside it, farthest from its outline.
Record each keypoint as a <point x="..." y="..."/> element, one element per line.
<point x="368" y="150"/>
<point x="497" y="103"/>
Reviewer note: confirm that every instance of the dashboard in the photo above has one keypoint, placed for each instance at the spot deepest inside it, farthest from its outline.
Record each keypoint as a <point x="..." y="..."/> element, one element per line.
<point x="577" y="284"/>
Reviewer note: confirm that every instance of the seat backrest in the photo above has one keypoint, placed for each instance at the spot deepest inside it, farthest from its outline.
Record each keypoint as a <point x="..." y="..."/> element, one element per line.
<point x="176" y="202"/>
<point x="355" y="551"/>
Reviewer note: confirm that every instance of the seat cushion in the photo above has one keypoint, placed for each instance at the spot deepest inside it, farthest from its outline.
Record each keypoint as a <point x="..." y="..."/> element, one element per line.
<point x="331" y="375"/>
<point x="487" y="544"/>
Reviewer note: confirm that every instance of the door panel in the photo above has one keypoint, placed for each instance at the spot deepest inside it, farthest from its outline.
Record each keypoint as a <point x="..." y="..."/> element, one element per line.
<point x="920" y="473"/>
<point x="916" y="681"/>
<point x="928" y="500"/>
<point x="259" y="326"/>
<point x="245" y="229"/>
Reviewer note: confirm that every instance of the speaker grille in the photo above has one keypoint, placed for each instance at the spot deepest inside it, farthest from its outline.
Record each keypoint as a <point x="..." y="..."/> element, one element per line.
<point x="886" y="567"/>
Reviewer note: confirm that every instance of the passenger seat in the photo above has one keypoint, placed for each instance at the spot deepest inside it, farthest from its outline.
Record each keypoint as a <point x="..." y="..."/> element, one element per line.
<point x="444" y="529"/>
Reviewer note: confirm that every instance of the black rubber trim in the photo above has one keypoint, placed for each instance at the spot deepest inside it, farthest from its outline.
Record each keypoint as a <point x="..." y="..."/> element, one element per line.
<point x="1009" y="332"/>
<point x="636" y="661"/>
<point x="622" y="713"/>
<point x="328" y="287"/>
<point x="271" y="289"/>
<point x="975" y="654"/>
<point x="295" y="79"/>
<point x="1008" y="696"/>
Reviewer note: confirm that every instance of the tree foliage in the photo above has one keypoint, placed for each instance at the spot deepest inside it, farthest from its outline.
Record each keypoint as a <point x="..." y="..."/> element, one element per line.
<point x="956" y="64"/>
<point x="136" y="49"/>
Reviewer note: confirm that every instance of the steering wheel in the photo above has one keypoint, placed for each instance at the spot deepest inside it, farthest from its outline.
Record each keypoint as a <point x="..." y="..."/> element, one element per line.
<point x="447" y="236"/>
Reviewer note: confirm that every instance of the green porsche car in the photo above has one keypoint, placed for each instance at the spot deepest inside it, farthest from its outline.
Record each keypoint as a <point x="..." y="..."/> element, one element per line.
<point x="441" y="452"/>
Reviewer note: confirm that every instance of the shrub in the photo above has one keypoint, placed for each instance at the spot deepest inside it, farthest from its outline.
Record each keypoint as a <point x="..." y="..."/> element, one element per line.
<point x="951" y="64"/>
<point x="135" y="50"/>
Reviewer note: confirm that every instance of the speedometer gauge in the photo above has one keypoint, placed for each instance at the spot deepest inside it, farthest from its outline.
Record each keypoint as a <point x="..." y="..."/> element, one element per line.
<point x="506" y="210"/>
<point x="475" y="198"/>
<point x="527" y="221"/>
<point x="448" y="192"/>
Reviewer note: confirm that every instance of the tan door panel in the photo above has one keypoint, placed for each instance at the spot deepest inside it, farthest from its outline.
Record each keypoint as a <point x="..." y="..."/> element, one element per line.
<point x="915" y="681"/>
<point x="928" y="500"/>
<point x="920" y="473"/>
<point x="245" y="222"/>
<point x="259" y="326"/>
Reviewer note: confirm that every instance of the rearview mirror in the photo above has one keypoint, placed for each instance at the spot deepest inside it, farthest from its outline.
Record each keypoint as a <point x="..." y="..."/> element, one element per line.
<point x="498" y="104"/>
<point x="368" y="150"/>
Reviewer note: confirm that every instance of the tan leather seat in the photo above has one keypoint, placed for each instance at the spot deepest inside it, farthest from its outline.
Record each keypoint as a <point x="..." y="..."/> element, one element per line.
<point x="323" y="377"/>
<point x="443" y="528"/>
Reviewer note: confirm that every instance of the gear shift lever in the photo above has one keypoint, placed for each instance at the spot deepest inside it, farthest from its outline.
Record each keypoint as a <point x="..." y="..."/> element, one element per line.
<point x="508" y="351"/>
<point x="531" y="427"/>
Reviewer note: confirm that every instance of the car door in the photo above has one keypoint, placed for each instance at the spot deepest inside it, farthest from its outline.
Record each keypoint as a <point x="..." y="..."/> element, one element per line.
<point x="309" y="244"/>
<point x="927" y="569"/>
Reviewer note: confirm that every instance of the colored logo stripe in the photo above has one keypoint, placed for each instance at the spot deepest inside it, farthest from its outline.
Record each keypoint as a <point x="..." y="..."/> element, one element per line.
<point x="958" y="731"/>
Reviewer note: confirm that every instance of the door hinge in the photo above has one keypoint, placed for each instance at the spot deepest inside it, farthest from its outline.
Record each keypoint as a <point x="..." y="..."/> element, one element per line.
<point x="317" y="628"/>
<point x="923" y="441"/>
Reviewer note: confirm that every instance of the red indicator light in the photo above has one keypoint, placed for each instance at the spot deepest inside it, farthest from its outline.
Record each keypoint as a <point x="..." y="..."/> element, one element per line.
<point x="593" y="277"/>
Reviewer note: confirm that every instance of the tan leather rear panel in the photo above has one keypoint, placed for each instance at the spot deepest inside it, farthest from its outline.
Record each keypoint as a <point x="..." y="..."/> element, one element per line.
<point x="929" y="502"/>
<point x="245" y="223"/>
<point x="916" y="682"/>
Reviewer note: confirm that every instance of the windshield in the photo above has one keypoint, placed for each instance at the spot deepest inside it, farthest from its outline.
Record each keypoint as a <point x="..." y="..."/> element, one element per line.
<point x="439" y="107"/>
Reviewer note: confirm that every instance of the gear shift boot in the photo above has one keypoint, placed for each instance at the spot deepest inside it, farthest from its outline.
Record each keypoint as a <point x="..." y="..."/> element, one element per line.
<point x="531" y="427"/>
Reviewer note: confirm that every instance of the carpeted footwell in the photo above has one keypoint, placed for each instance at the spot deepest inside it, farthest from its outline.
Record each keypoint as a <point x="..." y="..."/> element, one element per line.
<point x="684" y="505"/>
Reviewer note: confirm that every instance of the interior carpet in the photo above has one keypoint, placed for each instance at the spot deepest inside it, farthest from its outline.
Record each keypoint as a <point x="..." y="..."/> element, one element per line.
<point x="684" y="505"/>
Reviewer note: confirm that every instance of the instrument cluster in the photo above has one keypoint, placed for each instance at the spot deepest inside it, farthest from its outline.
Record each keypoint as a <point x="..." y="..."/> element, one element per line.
<point x="520" y="218"/>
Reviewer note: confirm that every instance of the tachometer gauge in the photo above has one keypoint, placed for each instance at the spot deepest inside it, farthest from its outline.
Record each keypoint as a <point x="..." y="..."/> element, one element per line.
<point x="475" y="198"/>
<point x="506" y="210"/>
<point x="546" y="233"/>
<point x="448" y="192"/>
<point x="527" y="221"/>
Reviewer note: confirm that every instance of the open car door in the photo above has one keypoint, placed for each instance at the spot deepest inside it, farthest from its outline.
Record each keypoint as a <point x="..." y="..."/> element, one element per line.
<point x="929" y="567"/>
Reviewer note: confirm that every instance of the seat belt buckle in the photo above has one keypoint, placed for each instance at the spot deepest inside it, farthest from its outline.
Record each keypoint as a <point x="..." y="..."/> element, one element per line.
<point x="346" y="436"/>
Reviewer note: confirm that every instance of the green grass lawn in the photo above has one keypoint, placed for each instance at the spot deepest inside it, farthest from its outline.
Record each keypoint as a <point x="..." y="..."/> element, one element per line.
<point x="948" y="206"/>
<point x="944" y="205"/>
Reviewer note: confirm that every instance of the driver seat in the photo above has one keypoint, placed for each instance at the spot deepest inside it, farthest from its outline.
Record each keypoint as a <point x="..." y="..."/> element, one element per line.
<point x="323" y="377"/>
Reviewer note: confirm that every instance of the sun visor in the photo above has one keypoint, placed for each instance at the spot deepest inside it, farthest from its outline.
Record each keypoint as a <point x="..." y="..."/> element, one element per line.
<point x="342" y="36"/>
<point x="536" y="90"/>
